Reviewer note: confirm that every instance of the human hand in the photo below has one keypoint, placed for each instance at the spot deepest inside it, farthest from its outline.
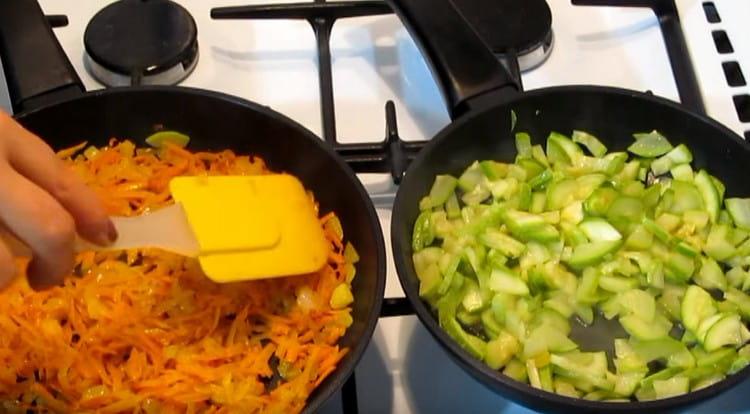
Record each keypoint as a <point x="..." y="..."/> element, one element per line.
<point x="44" y="204"/>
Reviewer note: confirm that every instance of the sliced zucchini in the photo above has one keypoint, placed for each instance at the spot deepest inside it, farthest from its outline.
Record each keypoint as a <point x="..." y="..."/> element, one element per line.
<point x="697" y="305"/>
<point x="709" y="193"/>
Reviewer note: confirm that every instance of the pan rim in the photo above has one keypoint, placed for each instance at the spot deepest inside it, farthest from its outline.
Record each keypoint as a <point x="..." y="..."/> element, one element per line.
<point x="343" y="371"/>
<point x="477" y="369"/>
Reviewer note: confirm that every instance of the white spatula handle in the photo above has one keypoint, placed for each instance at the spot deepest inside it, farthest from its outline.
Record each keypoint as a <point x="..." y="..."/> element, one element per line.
<point x="166" y="228"/>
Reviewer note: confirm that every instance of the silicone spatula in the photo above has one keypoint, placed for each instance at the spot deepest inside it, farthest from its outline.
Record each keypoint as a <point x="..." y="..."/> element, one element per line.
<point x="239" y="227"/>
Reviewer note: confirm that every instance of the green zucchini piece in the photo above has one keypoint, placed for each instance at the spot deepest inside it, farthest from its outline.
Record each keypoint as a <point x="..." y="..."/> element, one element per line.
<point x="471" y="177"/>
<point x="505" y="281"/>
<point x="516" y="369"/>
<point x="493" y="170"/>
<point x="639" y="303"/>
<point x="614" y="163"/>
<point x="724" y="332"/>
<point x="739" y="209"/>
<point x="545" y="338"/>
<point x="654" y="228"/>
<point x="648" y="382"/>
<point x="667" y="349"/>
<point x="429" y="281"/>
<point x="617" y="284"/>
<point x="710" y="275"/>
<point x="671" y="387"/>
<point x="717" y="244"/>
<point x="565" y="388"/>
<point x="501" y="242"/>
<point x="587" y="288"/>
<point x="537" y="152"/>
<point x="523" y="198"/>
<point x="706" y="325"/>
<point x="597" y="229"/>
<point x="699" y="219"/>
<point x="710" y="195"/>
<point x="501" y="350"/>
<point x="561" y="193"/>
<point x="639" y="238"/>
<point x="533" y="373"/>
<point x="595" y="147"/>
<point x="560" y="149"/>
<point x="720" y="187"/>
<point x="626" y="383"/>
<point x="527" y="226"/>
<point x="661" y="165"/>
<point x="687" y="249"/>
<point x="682" y="172"/>
<point x="452" y="208"/>
<point x="161" y="138"/>
<point x="697" y="305"/>
<point x="680" y="266"/>
<point x="531" y="166"/>
<point x="719" y="360"/>
<point x="740" y="299"/>
<point x="472" y="344"/>
<point x="476" y="195"/>
<point x="641" y="329"/>
<point x="680" y="155"/>
<point x="686" y="197"/>
<point x="668" y="222"/>
<point x="491" y="326"/>
<point x="586" y="184"/>
<point x="538" y="200"/>
<point x="541" y="179"/>
<point x="473" y="300"/>
<point x="442" y="188"/>
<point x="588" y="254"/>
<point x="422" y="235"/>
<point x="523" y="145"/>
<point x="652" y="144"/>
<point x="625" y="210"/>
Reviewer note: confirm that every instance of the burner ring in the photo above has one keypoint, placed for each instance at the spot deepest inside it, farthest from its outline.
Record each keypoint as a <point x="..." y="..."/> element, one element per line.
<point x="520" y="27"/>
<point x="132" y="42"/>
<point x="534" y="57"/>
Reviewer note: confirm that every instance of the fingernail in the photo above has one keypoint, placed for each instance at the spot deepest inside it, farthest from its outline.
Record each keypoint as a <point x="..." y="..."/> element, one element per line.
<point x="111" y="232"/>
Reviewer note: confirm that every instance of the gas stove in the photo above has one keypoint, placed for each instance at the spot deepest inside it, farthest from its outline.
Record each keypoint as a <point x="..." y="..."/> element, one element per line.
<point x="373" y="60"/>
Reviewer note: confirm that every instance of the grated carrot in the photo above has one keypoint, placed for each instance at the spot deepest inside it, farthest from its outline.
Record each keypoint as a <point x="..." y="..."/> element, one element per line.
<point x="143" y="331"/>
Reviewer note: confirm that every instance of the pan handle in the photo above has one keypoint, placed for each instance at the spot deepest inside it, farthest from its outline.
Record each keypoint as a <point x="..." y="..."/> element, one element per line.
<point x="466" y="68"/>
<point x="36" y="68"/>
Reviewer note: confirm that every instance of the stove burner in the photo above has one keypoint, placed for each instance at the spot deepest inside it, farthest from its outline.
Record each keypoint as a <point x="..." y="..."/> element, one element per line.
<point x="141" y="42"/>
<point x="523" y="27"/>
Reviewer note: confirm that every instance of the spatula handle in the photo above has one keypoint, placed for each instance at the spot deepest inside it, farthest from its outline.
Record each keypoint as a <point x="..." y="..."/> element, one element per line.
<point x="166" y="228"/>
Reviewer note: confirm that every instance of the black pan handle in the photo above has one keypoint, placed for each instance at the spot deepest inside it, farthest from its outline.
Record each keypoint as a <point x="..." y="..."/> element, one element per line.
<point x="467" y="70"/>
<point x="36" y="68"/>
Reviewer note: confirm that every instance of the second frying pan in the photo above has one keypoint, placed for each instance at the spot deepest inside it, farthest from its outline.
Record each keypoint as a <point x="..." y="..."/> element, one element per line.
<point x="480" y="95"/>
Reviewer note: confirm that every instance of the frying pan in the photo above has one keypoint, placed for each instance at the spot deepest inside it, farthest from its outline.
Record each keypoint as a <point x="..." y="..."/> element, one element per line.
<point x="55" y="106"/>
<point x="480" y="95"/>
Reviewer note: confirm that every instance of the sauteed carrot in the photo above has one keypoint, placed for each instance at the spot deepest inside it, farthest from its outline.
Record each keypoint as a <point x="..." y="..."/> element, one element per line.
<point x="143" y="331"/>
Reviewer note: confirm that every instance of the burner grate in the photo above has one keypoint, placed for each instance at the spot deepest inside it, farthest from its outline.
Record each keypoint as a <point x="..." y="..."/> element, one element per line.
<point x="391" y="155"/>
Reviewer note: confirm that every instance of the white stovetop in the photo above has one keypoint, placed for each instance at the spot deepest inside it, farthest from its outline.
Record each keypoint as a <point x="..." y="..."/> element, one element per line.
<point x="274" y="63"/>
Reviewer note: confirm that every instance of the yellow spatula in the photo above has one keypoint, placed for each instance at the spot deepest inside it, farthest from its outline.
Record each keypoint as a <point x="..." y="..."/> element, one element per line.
<point x="239" y="227"/>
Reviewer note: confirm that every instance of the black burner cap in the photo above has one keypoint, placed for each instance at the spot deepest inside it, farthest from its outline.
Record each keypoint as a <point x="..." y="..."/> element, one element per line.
<point x="141" y="37"/>
<point x="521" y="25"/>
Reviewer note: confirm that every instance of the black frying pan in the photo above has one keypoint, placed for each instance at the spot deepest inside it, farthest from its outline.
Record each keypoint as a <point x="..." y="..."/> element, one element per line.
<point x="42" y="82"/>
<point x="480" y="95"/>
